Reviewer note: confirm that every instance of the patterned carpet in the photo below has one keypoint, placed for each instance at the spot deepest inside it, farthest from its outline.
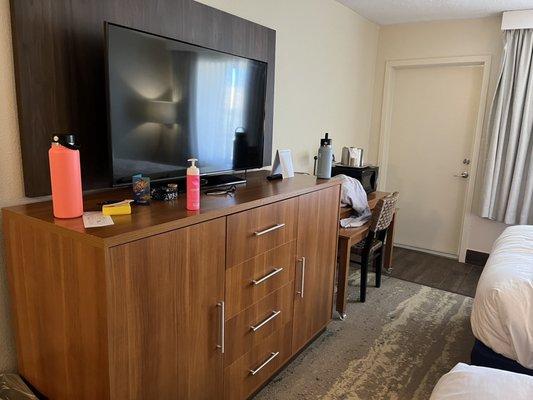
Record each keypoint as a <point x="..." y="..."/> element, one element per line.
<point x="395" y="346"/>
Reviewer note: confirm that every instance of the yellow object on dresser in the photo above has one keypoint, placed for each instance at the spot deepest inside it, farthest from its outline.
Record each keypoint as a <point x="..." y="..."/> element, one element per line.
<point x="120" y="208"/>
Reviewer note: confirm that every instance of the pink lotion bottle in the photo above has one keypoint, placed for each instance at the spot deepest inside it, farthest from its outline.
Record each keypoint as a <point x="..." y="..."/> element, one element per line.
<point x="193" y="186"/>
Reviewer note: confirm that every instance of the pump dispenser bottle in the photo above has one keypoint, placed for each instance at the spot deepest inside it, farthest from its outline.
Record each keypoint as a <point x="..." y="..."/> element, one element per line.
<point x="193" y="186"/>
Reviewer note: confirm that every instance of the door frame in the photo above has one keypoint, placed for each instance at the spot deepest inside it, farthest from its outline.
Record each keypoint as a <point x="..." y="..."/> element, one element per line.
<point x="391" y="67"/>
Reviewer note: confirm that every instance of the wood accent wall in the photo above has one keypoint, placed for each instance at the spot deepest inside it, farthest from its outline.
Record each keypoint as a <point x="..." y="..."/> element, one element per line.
<point x="60" y="70"/>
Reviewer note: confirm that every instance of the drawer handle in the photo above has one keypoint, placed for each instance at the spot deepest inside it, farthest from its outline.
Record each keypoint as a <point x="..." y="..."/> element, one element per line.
<point x="266" y="277"/>
<point x="302" y="284"/>
<point x="266" y="321"/>
<point x="271" y="229"/>
<point x="222" y="332"/>
<point x="272" y="356"/>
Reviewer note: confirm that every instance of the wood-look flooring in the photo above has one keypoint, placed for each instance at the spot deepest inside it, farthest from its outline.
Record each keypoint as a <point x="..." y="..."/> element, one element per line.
<point x="435" y="271"/>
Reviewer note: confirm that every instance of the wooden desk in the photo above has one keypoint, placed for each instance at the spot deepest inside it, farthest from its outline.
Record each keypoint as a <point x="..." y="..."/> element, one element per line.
<point x="347" y="238"/>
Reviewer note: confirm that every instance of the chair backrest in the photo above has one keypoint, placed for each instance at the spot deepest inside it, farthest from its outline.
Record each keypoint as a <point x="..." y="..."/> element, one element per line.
<point x="383" y="212"/>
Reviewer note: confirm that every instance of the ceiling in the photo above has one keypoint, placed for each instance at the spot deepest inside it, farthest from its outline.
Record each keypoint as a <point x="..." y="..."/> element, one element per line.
<point x="386" y="12"/>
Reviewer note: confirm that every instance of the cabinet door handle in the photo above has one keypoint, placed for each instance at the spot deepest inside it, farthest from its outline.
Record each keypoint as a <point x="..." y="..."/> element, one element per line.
<point x="266" y="277"/>
<point x="222" y="331"/>
<point x="301" y="291"/>
<point x="271" y="229"/>
<point x="265" y="321"/>
<point x="268" y="360"/>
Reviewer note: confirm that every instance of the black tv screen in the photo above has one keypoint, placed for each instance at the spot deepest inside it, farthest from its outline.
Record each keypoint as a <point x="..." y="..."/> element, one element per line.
<point x="170" y="101"/>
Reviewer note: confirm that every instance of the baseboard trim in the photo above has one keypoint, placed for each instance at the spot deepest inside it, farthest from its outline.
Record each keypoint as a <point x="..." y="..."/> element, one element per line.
<point x="476" y="257"/>
<point x="435" y="253"/>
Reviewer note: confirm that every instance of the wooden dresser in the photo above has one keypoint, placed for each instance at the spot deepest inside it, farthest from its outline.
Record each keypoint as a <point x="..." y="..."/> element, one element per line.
<point x="169" y="303"/>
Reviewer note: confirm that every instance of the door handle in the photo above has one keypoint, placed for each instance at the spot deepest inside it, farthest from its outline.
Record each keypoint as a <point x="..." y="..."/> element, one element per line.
<point x="268" y="360"/>
<point x="463" y="175"/>
<point x="271" y="229"/>
<point x="266" y="277"/>
<point x="222" y="331"/>
<point x="302" y="285"/>
<point x="274" y="314"/>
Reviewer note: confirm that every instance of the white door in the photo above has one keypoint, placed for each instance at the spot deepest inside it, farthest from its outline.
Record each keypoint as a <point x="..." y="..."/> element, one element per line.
<point x="434" y="113"/>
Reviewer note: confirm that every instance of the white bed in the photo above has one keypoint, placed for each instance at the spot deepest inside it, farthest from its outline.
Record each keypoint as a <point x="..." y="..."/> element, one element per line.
<point x="502" y="315"/>
<point x="466" y="382"/>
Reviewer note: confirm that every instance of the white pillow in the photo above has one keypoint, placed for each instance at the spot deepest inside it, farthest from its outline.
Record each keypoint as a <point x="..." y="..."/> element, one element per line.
<point x="467" y="382"/>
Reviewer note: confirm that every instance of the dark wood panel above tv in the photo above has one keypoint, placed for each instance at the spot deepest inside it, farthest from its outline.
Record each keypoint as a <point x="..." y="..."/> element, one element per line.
<point x="60" y="70"/>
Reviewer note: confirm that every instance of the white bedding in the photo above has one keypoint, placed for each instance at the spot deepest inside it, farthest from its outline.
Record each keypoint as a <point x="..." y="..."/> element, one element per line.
<point x="502" y="315"/>
<point x="466" y="382"/>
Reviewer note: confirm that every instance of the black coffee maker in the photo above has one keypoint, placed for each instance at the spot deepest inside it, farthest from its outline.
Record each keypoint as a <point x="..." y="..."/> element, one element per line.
<point x="367" y="175"/>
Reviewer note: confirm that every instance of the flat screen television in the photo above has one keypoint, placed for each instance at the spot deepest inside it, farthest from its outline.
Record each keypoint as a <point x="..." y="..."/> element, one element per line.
<point x="169" y="101"/>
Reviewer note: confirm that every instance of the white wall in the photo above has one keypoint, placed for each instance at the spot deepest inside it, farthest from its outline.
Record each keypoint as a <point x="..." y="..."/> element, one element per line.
<point x="324" y="82"/>
<point x="441" y="39"/>
<point x="325" y="62"/>
<point x="11" y="188"/>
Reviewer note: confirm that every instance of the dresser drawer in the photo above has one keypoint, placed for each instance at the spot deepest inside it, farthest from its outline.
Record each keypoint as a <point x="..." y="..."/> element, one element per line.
<point x="252" y="280"/>
<point x="252" y="232"/>
<point x="257" y="322"/>
<point x="250" y="371"/>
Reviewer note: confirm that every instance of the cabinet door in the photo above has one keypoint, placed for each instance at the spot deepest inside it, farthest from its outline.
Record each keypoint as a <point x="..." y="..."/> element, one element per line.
<point x="164" y="319"/>
<point x="318" y="221"/>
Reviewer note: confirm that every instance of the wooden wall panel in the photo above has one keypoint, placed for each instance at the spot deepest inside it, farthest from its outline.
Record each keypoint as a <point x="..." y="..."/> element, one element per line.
<point x="60" y="70"/>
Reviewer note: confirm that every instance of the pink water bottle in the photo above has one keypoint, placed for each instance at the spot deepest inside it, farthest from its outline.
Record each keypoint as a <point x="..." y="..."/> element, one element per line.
<point x="193" y="186"/>
<point x="65" y="176"/>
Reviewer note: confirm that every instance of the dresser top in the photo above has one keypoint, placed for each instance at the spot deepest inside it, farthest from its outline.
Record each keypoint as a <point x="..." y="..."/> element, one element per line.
<point x="160" y="216"/>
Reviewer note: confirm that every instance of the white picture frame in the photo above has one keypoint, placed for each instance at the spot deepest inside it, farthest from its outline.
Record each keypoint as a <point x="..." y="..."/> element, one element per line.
<point x="283" y="164"/>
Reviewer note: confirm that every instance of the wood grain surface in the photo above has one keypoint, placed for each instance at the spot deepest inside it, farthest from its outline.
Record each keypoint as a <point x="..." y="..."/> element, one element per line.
<point x="244" y="244"/>
<point x="164" y="323"/>
<point x="58" y="299"/>
<point x="318" y="224"/>
<point x="60" y="70"/>
<point x="240" y="336"/>
<point x="161" y="217"/>
<point x="239" y="382"/>
<point x="241" y="293"/>
<point x="131" y="311"/>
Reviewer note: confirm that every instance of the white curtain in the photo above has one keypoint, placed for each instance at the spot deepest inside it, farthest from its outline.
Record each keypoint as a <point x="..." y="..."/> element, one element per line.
<point x="508" y="177"/>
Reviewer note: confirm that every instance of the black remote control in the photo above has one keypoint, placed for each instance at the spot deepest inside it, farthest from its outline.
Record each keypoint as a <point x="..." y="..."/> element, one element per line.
<point x="274" y="177"/>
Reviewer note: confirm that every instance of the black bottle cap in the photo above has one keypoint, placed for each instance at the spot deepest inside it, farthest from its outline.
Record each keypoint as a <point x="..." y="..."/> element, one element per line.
<point x="326" y="141"/>
<point x="68" y="140"/>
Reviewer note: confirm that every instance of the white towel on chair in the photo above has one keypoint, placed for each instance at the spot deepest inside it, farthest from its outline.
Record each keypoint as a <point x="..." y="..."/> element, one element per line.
<point x="353" y="195"/>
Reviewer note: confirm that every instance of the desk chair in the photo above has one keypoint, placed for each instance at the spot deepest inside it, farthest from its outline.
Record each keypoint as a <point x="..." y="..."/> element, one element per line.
<point x="372" y="248"/>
